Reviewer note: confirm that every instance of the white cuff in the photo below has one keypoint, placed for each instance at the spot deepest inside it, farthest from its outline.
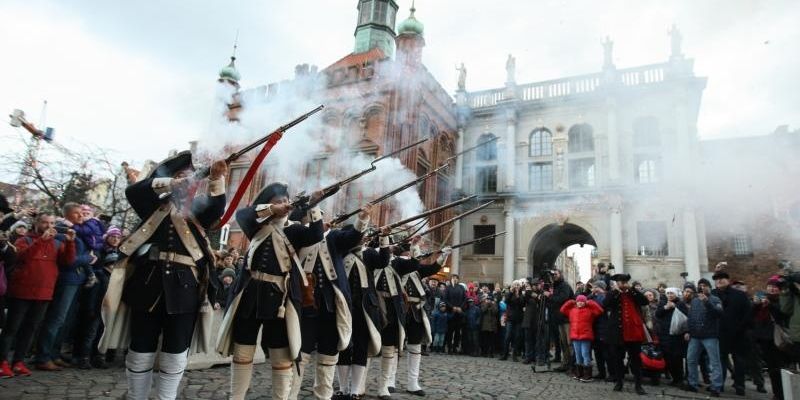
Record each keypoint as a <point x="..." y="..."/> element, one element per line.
<point x="315" y="214"/>
<point x="263" y="212"/>
<point x="442" y="258"/>
<point x="162" y="185"/>
<point x="216" y="187"/>
<point x="384" y="241"/>
<point x="415" y="250"/>
<point x="362" y="224"/>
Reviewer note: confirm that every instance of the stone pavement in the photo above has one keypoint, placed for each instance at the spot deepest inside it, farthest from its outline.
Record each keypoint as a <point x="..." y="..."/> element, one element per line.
<point x="443" y="377"/>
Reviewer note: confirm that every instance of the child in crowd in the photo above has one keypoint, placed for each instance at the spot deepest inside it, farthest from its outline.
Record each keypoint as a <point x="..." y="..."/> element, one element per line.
<point x="439" y="326"/>
<point x="581" y="313"/>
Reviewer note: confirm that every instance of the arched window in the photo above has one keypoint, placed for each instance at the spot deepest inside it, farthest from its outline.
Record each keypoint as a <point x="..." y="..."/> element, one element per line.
<point x="646" y="132"/>
<point x="541" y="143"/>
<point x="581" y="138"/>
<point x="487" y="152"/>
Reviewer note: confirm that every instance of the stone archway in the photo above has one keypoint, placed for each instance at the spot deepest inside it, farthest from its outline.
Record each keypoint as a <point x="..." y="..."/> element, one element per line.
<point x="551" y="240"/>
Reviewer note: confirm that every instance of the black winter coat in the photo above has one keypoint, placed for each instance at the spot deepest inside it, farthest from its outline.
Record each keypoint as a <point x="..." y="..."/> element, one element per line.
<point x="561" y="293"/>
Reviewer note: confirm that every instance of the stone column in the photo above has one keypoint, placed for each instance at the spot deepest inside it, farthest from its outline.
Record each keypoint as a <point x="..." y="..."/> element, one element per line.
<point x="612" y="138"/>
<point x="615" y="224"/>
<point x="509" y="256"/>
<point x="511" y="139"/>
<point x="691" y="253"/>
<point x="455" y="263"/>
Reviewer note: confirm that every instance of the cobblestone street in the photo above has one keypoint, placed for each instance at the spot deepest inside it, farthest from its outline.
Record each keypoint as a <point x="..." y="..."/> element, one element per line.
<point x="443" y="377"/>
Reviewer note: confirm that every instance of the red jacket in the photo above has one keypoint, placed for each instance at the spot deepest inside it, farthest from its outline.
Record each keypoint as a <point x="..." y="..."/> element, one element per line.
<point x="581" y="319"/>
<point x="35" y="275"/>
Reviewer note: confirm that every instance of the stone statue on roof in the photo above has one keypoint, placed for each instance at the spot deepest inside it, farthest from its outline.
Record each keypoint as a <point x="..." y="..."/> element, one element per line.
<point x="462" y="77"/>
<point x="675" y="41"/>
<point x="511" y="68"/>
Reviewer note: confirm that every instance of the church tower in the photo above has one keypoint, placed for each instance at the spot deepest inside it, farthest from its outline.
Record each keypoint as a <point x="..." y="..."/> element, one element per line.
<point x="375" y="27"/>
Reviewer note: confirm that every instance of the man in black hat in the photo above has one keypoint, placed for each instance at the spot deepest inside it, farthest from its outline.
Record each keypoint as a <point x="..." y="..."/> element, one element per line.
<point x="168" y="271"/>
<point x="391" y="298"/>
<point x="360" y="264"/>
<point x="625" y="332"/>
<point x="326" y="323"/>
<point x="736" y="317"/>
<point x="417" y="324"/>
<point x="268" y="292"/>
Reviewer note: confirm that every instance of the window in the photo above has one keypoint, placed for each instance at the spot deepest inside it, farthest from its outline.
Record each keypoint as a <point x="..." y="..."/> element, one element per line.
<point x="365" y="12"/>
<point x="486" y="246"/>
<point x="541" y="143"/>
<point x="581" y="138"/>
<point x="652" y="237"/>
<point x="540" y="177"/>
<point x="486" y="179"/>
<point x="442" y="190"/>
<point x="487" y="152"/>
<point x="237" y="174"/>
<point x="422" y="169"/>
<point x="317" y="169"/>
<point x="647" y="170"/>
<point x="581" y="173"/>
<point x="646" y="132"/>
<point x="380" y="11"/>
<point x="742" y="246"/>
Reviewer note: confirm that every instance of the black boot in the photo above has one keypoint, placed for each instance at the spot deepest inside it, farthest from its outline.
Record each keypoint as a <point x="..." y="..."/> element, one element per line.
<point x="618" y="386"/>
<point x="99" y="361"/>
<point x="640" y="390"/>
<point x="83" y="363"/>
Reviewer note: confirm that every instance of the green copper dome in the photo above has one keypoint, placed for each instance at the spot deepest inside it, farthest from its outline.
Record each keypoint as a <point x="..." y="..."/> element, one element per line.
<point x="411" y="25"/>
<point x="229" y="72"/>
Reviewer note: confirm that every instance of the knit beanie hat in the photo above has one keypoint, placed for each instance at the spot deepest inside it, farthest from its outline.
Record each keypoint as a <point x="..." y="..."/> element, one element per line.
<point x="673" y="290"/>
<point x="600" y="284"/>
<point x="113" y="231"/>
<point x="580" y="299"/>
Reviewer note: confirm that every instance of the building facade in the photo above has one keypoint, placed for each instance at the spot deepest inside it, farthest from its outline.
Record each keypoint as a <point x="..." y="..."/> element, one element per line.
<point x="610" y="159"/>
<point x="602" y="159"/>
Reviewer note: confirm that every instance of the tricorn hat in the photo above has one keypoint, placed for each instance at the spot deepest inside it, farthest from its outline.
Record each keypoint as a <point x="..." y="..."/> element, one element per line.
<point x="621" y="277"/>
<point x="720" y="275"/>
<point x="270" y="191"/>
<point x="172" y="165"/>
<point x="5" y="208"/>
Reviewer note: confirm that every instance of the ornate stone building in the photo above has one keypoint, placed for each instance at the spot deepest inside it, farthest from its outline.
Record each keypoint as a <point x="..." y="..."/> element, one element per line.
<point x="602" y="159"/>
<point x="609" y="159"/>
<point x="377" y="99"/>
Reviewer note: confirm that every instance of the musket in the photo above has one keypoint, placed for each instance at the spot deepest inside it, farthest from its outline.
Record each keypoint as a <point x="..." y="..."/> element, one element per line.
<point x="430" y="212"/>
<point x="344" y="217"/>
<point x="478" y="240"/>
<point x="305" y="200"/>
<point x="205" y="171"/>
<point x="456" y="218"/>
<point x="418" y="226"/>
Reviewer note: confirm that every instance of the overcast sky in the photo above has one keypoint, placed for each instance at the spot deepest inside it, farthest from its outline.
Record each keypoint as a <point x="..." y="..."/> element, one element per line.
<point x="139" y="76"/>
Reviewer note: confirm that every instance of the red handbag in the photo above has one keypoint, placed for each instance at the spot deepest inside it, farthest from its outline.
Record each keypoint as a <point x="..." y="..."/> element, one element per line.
<point x="651" y="355"/>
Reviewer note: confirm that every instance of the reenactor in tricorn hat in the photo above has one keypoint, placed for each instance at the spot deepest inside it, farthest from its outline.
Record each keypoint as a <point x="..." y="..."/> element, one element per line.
<point x="326" y="322"/>
<point x="268" y="294"/>
<point x="164" y="280"/>
<point x="360" y="264"/>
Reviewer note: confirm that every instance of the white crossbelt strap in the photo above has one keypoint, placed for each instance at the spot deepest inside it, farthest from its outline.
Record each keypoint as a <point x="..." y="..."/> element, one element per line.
<point x="355" y="259"/>
<point x="414" y="276"/>
<point x="390" y="279"/>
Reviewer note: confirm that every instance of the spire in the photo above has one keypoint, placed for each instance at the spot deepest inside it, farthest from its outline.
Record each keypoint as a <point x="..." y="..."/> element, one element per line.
<point x="411" y="25"/>
<point x="229" y="73"/>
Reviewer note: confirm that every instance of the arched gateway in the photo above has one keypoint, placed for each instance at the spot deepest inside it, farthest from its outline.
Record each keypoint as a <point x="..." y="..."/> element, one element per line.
<point x="551" y="240"/>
